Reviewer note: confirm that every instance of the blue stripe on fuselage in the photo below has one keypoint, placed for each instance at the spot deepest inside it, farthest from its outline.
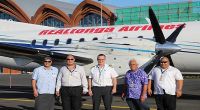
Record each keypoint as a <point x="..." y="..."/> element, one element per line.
<point x="120" y="48"/>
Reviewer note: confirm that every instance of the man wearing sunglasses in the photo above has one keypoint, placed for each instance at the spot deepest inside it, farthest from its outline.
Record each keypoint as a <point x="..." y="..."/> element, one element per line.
<point x="71" y="84"/>
<point x="43" y="83"/>
<point x="168" y="83"/>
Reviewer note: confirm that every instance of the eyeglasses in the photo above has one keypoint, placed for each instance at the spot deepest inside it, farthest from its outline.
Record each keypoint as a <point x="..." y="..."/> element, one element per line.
<point x="164" y="62"/>
<point x="133" y="64"/>
<point x="47" y="61"/>
<point x="70" y="59"/>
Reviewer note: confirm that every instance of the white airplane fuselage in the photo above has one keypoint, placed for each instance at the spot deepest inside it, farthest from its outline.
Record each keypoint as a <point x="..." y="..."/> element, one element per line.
<point x="119" y="43"/>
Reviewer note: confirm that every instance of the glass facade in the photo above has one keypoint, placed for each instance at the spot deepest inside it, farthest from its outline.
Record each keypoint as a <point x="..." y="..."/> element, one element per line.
<point x="177" y="12"/>
<point x="92" y="19"/>
<point x="7" y="16"/>
<point x="53" y="22"/>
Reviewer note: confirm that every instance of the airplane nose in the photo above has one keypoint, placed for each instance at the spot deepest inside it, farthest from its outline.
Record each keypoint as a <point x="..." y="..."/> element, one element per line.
<point x="167" y="48"/>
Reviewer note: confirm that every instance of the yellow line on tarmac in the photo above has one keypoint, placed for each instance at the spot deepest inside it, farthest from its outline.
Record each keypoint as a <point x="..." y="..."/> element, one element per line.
<point x="21" y="100"/>
<point x="29" y="100"/>
<point x="112" y="106"/>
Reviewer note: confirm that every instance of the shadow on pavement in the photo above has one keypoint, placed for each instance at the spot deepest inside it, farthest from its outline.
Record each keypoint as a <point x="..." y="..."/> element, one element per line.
<point x="16" y="92"/>
<point x="190" y="97"/>
<point x="13" y="108"/>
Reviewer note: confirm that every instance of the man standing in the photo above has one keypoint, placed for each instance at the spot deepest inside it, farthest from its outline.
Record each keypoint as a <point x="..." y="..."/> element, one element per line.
<point x="43" y="83"/>
<point x="72" y="81"/>
<point x="168" y="83"/>
<point x="135" y="89"/>
<point x="102" y="83"/>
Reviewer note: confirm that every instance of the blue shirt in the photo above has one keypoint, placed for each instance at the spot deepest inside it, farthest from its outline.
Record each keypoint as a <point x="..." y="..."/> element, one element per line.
<point x="135" y="82"/>
<point x="45" y="79"/>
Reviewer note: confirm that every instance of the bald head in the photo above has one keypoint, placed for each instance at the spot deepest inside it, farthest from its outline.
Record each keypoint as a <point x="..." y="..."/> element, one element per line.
<point x="133" y="64"/>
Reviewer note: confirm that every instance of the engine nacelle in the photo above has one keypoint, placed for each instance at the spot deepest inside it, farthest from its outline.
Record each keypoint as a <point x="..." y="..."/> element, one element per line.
<point x="18" y="63"/>
<point x="167" y="48"/>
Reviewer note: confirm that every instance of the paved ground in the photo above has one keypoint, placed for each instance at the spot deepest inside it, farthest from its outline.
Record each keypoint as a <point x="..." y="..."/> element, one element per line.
<point x="19" y="96"/>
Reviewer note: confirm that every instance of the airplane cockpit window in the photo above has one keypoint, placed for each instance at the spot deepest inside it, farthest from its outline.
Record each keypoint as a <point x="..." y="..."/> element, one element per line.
<point x="56" y="42"/>
<point x="44" y="42"/>
<point x="33" y="42"/>
<point x="95" y="38"/>
<point x="69" y="41"/>
<point x="81" y="40"/>
<point x="109" y="38"/>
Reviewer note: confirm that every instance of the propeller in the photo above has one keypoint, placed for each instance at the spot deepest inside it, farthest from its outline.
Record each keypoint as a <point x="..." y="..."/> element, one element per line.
<point x="164" y="47"/>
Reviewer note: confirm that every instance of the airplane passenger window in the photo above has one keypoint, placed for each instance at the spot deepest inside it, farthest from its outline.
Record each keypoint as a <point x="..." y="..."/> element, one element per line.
<point x="125" y="37"/>
<point x="140" y="36"/>
<point x="125" y="44"/>
<point x="56" y="42"/>
<point x="69" y="41"/>
<point x="109" y="38"/>
<point x="95" y="38"/>
<point x="44" y="42"/>
<point x="33" y="42"/>
<point x="82" y="40"/>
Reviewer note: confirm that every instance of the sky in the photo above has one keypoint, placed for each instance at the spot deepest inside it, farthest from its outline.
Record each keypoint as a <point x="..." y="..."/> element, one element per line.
<point x="129" y="3"/>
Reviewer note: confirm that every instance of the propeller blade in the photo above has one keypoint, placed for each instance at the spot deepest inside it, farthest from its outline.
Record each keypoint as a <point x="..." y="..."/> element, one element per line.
<point x="158" y="34"/>
<point x="147" y="67"/>
<point x="174" y="35"/>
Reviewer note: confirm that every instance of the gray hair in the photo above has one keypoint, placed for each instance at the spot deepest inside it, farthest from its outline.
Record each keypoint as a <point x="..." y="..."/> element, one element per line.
<point x="133" y="59"/>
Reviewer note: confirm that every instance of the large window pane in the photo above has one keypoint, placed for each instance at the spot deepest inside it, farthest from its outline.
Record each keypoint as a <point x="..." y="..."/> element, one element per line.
<point x="7" y="16"/>
<point x="53" y="22"/>
<point x="93" y="19"/>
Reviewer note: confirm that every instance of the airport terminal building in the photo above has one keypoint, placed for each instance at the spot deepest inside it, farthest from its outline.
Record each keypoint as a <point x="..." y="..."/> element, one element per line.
<point x="88" y="13"/>
<point x="171" y="12"/>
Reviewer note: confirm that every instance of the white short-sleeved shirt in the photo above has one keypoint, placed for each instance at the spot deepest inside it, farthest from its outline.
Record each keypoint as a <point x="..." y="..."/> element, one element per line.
<point x="68" y="78"/>
<point x="45" y="79"/>
<point x="165" y="79"/>
<point x="102" y="77"/>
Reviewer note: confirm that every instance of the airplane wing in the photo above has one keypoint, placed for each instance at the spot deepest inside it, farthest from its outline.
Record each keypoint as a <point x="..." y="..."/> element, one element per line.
<point x="37" y="54"/>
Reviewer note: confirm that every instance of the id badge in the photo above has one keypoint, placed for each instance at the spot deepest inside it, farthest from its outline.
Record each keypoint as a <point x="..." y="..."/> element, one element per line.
<point x="161" y="78"/>
<point x="131" y="85"/>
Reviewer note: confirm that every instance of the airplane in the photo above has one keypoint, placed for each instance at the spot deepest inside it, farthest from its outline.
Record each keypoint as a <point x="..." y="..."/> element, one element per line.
<point x="23" y="46"/>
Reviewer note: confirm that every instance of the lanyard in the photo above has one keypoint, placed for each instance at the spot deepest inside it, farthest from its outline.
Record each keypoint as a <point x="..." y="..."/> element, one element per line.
<point x="71" y="71"/>
<point x="100" y="71"/>
<point x="162" y="72"/>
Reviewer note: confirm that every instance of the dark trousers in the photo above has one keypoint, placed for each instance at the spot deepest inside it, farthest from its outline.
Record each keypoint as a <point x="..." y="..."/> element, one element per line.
<point x="136" y="104"/>
<point x="102" y="92"/>
<point x="71" y="97"/>
<point x="44" y="102"/>
<point x="165" y="102"/>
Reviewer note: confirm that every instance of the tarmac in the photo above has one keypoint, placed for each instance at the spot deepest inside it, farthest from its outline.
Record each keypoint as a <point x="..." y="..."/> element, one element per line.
<point x="19" y="96"/>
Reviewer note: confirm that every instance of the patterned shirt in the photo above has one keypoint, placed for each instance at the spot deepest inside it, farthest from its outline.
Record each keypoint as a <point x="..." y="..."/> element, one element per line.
<point x="135" y="81"/>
